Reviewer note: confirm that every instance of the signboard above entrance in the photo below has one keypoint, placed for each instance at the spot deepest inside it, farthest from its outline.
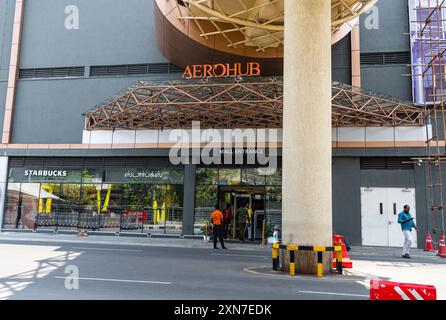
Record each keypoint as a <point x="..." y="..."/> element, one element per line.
<point x="222" y="70"/>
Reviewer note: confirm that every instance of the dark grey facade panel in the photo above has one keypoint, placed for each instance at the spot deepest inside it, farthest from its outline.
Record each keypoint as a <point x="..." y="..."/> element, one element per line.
<point x="387" y="178"/>
<point x="341" y="61"/>
<point x="421" y="199"/>
<point x="347" y="199"/>
<point x="390" y="80"/>
<point x="50" y="111"/>
<point x="110" y="32"/>
<point x="393" y="28"/>
<point x="7" y="8"/>
<point x="3" y="89"/>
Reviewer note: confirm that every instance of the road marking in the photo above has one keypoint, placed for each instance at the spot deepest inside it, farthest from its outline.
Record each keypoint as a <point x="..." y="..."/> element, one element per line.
<point x="336" y="294"/>
<point x="238" y="255"/>
<point x="116" y="280"/>
<point x="105" y="249"/>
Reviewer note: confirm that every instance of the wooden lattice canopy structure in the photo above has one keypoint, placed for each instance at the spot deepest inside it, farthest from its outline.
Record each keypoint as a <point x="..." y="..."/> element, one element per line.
<point x="254" y="23"/>
<point x="223" y="104"/>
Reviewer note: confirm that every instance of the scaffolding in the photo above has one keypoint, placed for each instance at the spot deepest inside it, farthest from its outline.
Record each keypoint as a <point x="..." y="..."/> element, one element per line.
<point x="429" y="44"/>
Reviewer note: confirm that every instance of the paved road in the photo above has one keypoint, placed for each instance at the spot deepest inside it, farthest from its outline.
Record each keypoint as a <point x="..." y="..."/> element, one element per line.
<point x="36" y="270"/>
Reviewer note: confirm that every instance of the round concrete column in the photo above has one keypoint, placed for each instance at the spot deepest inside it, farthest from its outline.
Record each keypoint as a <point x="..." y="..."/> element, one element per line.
<point x="307" y="184"/>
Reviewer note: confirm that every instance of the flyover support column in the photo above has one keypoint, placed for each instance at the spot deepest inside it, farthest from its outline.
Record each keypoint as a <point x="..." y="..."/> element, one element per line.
<point x="307" y="149"/>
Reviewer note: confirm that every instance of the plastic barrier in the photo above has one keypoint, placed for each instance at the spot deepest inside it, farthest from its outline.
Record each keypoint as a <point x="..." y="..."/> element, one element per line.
<point x="339" y="240"/>
<point x="386" y="290"/>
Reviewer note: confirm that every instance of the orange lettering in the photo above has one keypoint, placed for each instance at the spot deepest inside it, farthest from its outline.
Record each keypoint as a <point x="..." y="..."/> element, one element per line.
<point x="247" y="73"/>
<point x="231" y="71"/>
<point x="197" y="71"/>
<point x="255" y="69"/>
<point x="252" y="69"/>
<point x="207" y="71"/>
<point x="223" y="68"/>
<point x="187" y="73"/>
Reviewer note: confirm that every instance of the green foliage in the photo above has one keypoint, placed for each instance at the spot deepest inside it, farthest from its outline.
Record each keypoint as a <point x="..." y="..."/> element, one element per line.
<point x="269" y="230"/>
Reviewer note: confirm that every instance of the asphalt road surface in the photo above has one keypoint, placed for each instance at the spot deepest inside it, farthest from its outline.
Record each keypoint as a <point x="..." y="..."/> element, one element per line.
<point x="39" y="270"/>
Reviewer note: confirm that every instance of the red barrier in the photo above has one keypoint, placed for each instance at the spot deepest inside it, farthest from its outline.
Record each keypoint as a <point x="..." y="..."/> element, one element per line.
<point x="386" y="290"/>
<point x="338" y="240"/>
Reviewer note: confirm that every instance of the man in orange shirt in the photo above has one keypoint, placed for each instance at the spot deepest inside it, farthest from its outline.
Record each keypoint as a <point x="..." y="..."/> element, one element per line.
<point x="217" y="222"/>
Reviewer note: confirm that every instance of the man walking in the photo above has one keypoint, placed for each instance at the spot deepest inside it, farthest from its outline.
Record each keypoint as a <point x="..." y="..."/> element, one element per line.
<point x="407" y="223"/>
<point x="217" y="222"/>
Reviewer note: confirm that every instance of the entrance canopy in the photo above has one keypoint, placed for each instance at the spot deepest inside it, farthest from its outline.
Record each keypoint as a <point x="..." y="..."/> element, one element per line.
<point x="231" y="104"/>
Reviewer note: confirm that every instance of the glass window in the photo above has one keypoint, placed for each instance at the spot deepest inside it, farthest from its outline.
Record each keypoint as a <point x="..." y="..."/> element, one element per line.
<point x="253" y="177"/>
<point x="206" y="176"/>
<point x="10" y="218"/>
<point x="205" y="200"/>
<point x="231" y="177"/>
<point x="68" y="206"/>
<point x="29" y="204"/>
<point x="273" y="176"/>
<point x="274" y="205"/>
<point x="92" y="176"/>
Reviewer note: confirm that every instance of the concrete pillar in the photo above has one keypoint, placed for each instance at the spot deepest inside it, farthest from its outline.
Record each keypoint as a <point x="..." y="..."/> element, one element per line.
<point x="307" y="185"/>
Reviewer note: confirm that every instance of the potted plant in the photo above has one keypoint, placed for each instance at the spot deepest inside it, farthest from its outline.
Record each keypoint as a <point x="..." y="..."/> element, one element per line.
<point x="206" y="230"/>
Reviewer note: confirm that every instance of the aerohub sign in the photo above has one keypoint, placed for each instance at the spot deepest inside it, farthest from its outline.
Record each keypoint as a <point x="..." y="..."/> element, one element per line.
<point x="222" y="70"/>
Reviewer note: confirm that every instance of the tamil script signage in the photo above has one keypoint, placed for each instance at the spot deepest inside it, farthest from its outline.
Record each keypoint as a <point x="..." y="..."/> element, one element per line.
<point x="222" y="70"/>
<point x="147" y="176"/>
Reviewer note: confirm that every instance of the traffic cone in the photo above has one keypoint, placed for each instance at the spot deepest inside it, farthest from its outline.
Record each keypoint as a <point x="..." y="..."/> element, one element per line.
<point x="442" y="247"/>
<point x="429" y="244"/>
<point x="338" y="240"/>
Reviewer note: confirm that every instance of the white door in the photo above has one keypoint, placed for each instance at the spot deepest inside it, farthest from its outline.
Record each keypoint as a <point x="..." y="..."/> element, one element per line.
<point x="379" y="215"/>
<point x="374" y="223"/>
<point x="397" y="199"/>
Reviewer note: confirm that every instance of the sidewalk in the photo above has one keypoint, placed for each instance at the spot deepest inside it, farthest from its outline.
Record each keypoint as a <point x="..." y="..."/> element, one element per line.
<point x="135" y="240"/>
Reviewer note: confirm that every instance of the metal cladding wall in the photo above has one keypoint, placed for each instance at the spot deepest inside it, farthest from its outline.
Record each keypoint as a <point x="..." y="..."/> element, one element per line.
<point x="50" y="110"/>
<point x="348" y="178"/>
<point x="341" y="61"/>
<point x="386" y="30"/>
<point x="110" y="32"/>
<point x="6" y="24"/>
<point x="347" y="199"/>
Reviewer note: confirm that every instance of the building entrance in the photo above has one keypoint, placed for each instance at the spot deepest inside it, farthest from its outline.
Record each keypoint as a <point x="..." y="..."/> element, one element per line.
<point x="231" y="199"/>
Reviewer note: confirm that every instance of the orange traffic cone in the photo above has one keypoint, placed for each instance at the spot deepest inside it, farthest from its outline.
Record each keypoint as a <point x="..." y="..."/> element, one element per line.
<point x="429" y="244"/>
<point x="442" y="247"/>
<point x="338" y="240"/>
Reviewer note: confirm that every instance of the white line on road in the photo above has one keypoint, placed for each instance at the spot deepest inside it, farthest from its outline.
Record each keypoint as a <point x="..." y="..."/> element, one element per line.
<point x="116" y="280"/>
<point x="105" y="249"/>
<point x="336" y="294"/>
<point x="237" y="255"/>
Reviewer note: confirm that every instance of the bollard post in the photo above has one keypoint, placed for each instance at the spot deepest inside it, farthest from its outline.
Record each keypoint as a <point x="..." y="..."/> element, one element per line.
<point x="275" y="256"/>
<point x="339" y="259"/>
<point x="292" y="263"/>
<point x="320" y="266"/>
